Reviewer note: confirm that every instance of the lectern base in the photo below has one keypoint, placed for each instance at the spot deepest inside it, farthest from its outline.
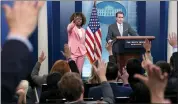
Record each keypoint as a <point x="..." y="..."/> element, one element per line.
<point x="123" y="57"/>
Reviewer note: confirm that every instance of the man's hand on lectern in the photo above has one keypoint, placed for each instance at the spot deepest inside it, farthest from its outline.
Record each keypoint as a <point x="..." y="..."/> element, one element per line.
<point x="108" y="47"/>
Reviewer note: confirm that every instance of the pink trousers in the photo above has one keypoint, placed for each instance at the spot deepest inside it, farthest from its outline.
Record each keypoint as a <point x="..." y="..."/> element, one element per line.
<point x="79" y="59"/>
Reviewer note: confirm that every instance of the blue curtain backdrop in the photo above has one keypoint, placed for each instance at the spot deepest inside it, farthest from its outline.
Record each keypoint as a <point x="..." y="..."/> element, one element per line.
<point x="157" y="25"/>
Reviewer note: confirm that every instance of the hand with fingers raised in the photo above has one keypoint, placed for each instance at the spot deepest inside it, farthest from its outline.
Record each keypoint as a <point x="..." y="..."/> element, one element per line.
<point x="124" y="76"/>
<point x="147" y="45"/>
<point x="173" y="39"/>
<point x="156" y="82"/>
<point x="22" y="17"/>
<point x="101" y="70"/>
<point x="145" y="60"/>
<point x="42" y="57"/>
<point x="67" y="52"/>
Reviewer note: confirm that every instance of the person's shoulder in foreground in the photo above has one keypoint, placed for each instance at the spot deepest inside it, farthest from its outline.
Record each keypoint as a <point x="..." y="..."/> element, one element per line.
<point x="16" y="50"/>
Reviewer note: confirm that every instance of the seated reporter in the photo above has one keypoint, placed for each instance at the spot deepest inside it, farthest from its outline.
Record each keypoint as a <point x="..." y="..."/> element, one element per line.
<point x="72" y="88"/>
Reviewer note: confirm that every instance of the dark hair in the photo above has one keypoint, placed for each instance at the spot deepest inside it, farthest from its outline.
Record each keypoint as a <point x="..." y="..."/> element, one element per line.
<point x="165" y="67"/>
<point x="133" y="67"/>
<point x="119" y="12"/>
<point x="52" y="79"/>
<point x="112" y="71"/>
<point x="70" y="86"/>
<point x="78" y="14"/>
<point x="171" y="61"/>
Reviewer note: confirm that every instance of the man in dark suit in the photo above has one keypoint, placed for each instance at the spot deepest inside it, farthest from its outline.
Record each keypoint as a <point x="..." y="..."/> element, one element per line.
<point x="15" y="55"/>
<point x="120" y="28"/>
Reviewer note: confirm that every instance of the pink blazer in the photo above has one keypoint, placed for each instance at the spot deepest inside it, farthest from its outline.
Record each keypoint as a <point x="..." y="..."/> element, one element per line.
<point x="74" y="40"/>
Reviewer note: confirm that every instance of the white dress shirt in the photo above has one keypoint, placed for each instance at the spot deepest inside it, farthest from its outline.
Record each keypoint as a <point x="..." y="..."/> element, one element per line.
<point x="120" y="27"/>
<point x="174" y="49"/>
<point x="80" y="32"/>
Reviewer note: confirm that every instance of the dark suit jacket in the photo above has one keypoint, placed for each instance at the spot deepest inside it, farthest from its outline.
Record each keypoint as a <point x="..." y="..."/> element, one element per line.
<point x="113" y="32"/>
<point x="172" y="85"/>
<point x="118" y="91"/>
<point x="175" y="61"/>
<point x="16" y="66"/>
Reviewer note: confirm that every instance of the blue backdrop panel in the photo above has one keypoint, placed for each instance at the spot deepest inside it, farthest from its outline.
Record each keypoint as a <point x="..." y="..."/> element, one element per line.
<point x="156" y="25"/>
<point x="53" y="12"/>
<point x="164" y="5"/>
<point x="141" y="17"/>
<point x="78" y="6"/>
<point x="58" y="13"/>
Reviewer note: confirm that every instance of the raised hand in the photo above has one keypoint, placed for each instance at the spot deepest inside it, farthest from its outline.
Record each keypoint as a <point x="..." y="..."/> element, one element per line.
<point x="173" y="39"/>
<point x="22" y="17"/>
<point x="145" y="61"/>
<point x="156" y="82"/>
<point x="147" y="45"/>
<point x="124" y="76"/>
<point x="75" y="19"/>
<point x="42" y="57"/>
<point x="22" y="91"/>
<point x="67" y="52"/>
<point x="101" y="70"/>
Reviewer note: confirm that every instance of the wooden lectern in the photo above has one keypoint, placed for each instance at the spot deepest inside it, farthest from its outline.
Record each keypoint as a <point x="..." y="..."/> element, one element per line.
<point x="130" y="47"/>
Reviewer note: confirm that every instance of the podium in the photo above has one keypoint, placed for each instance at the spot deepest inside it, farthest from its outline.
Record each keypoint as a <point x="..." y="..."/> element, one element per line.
<point x="126" y="47"/>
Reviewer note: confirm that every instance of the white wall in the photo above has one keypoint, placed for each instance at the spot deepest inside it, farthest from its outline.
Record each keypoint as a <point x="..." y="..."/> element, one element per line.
<point x="172" y="24"/>
<point x="43" y="38"/>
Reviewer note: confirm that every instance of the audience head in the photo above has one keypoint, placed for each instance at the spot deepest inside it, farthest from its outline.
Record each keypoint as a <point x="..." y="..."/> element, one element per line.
<point x="52" y="79"/>
<point x="164" y="66"/>
<point x="71" y="86"/>
<point x="78" y="18"/>
<point x="94" y="79"/>
<point x="60" y="66"/>
<point x="133" y="67"/>
<point x="112" y="71"/>
<point x="120" y="17"/>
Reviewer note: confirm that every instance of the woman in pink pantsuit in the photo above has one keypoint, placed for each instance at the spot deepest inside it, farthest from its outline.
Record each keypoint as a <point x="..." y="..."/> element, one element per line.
<point x="76" y="39"/>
